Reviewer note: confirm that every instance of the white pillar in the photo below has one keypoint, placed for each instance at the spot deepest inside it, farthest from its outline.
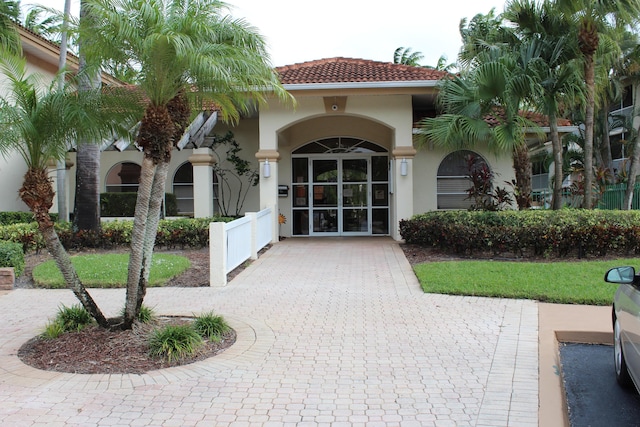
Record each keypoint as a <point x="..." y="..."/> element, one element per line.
<point x="217" y="254"/>
<point x="53" y="173"/>
<point x="403" y="195"/>
<point x="202" y="160"/>
<point x="269" y="185"/>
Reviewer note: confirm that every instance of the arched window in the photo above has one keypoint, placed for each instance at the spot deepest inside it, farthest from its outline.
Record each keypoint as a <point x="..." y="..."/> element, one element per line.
<point x="183" y="189"/>
<point x="123" y="178"/>
<point x="453" y="179"/>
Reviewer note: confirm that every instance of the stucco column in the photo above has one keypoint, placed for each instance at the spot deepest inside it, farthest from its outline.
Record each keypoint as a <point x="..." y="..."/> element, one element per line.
<point x="53" y="173"/>
<point x="403" y="181"/>
<point x="268" y="160"/>
<point x="202" y="160"/>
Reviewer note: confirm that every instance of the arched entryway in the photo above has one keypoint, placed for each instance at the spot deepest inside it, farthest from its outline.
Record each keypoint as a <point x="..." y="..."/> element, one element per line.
<point x="340" y="187"/>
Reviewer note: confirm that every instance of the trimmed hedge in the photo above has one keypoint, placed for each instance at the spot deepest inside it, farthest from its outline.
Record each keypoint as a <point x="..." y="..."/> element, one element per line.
<point x="178" y="233"/>
<point x="124" y="204"/>
<point x="11" y="255"/>
<point x="551" y="234"/>
<point x="8" y="218"/>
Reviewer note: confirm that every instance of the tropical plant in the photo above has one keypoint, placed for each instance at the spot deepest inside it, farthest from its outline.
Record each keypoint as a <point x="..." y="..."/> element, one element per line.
<point x="552" y="58"/>
<point x="404" y="56"/>
<point x="175" y="342"/>
<point x="9" y="13"/>
<point x="482" y="106"/>
<point x="232" y="169"/>
<point x="189" y="55"/>
<point x="211" y="326"/>
<point x="39" y="122"/>
<point x="44" y="21"/>
<point x="596" y="20"/>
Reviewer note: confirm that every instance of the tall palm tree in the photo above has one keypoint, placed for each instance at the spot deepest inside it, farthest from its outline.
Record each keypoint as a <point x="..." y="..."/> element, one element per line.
<point x="189" y="54"/>
<point x="596" y="19"/>
<point x="39" y="123"/>
<point x="86" y="210"/>
<point x="543" y="29"/>
<point x="631" y="72"/>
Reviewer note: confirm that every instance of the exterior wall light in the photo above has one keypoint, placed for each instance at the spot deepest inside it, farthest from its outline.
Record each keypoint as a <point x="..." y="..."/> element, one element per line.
<point x="266" y="171"/>
<point x="403" y="167"/>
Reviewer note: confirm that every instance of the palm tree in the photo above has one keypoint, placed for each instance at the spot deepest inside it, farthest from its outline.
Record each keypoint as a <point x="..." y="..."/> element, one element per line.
<point x="9" y="13"/>
<point x="44" y="21"/>
<point x="632" y="74"/>
<point x="188" y="54"/>
<point x="596" y="20"/>
<point x="492" y="90"/>
<point x="39" y="123"/>
<point x="543" y="30"/>
<point x="404" y="56"/>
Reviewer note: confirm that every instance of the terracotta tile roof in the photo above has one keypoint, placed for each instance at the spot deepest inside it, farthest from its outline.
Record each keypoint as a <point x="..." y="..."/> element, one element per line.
<point x="348" y="70"/>
<point x="537" y="118"/>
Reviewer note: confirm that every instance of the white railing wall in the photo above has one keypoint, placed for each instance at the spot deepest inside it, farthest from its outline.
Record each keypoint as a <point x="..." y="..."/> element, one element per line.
<point x="232" y="243"/>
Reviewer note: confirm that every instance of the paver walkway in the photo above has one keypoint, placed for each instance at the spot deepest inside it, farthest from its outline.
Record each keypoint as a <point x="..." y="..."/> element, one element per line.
<point x="331" y="332"/>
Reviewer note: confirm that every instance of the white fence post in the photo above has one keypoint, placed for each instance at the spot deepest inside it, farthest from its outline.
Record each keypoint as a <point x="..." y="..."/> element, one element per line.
<point x="254" y="234"/>
<point x="217" y="254"/>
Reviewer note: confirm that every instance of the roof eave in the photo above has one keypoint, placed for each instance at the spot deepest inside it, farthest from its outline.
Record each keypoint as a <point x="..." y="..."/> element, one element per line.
<point x="361" y="85"/>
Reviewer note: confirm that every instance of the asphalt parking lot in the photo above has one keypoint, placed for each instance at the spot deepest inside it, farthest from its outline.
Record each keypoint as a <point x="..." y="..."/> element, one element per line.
<point x="594" y="398"/>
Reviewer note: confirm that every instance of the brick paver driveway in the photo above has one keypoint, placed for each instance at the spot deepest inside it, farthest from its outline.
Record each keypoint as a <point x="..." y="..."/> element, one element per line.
<point x="331" y="332"/>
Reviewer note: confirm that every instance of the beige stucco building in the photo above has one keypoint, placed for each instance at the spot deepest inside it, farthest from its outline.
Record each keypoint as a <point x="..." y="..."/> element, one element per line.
<point x="341" y="162"/>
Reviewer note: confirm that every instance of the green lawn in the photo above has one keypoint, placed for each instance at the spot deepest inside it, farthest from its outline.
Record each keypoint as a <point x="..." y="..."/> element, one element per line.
<point x="566" y="282"/>
<point x="109" y="270"/>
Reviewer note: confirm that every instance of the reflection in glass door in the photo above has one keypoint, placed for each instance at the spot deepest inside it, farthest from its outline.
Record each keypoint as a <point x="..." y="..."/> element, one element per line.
<point x="324" y="203"/>
<point x="340" y="196"/>
<point x="355" y="196"/>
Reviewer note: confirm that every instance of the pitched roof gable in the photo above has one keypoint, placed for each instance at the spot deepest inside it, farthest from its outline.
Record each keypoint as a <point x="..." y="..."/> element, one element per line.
<point x="350" y="70"/>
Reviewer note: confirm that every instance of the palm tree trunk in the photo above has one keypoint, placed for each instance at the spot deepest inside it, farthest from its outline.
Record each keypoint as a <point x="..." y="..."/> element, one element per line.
<point x="522" y="168"/>
<point x="588" y="131"/>
<point x="86" y="213"/>
<point x="63" y="261"/>
<point x="605" y="148"/>
<point x="138" y="234"/>
<point x="556" y="145"/>
<point x="155" y="204"/>
<point x="37" y="193"/>
<point x="634" y="167"/>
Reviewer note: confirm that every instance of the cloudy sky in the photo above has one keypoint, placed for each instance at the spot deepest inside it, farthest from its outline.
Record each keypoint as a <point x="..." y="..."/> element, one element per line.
<point x="298" y="30"/>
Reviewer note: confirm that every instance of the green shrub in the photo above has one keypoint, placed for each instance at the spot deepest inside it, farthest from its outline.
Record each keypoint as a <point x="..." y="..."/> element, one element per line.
<point x="11" y="255"/>
<point x="146" y="314"/>
<point x="118" y="204"/>
<point x="210" y="326"/>
<point x="175" y="342"/>
<point x="53" y="330"/>
<point x="560" y="233"/>
<point x="68" y="319"/>
<point x="124" y="204"/>
<point x="171" y="204"/>
<point x="172" y="233"/>
<point x="8" y="218"/>
<point x="73" y="318"/>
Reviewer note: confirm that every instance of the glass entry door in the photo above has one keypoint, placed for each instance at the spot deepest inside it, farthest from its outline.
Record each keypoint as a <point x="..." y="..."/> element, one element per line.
<point x="340" y="196"/>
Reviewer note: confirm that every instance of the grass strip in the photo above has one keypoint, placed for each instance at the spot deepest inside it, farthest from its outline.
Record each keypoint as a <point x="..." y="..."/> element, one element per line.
<point x="575" y="282"/>
<point x="109" y="270"/>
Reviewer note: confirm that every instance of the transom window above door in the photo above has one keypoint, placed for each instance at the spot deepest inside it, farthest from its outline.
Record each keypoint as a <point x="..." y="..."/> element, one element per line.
<point x="340" y="145"/>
